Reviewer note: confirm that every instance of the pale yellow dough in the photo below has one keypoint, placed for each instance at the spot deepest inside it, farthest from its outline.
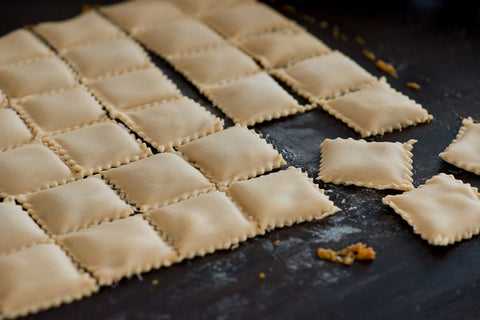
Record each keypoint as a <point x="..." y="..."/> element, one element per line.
<point x="281" y="199"/>
<point x="172" y="123"/>
<point x="376" y="109"/>
<point x="325" y="77"/>
<point x="253" y="99"/>
<point x="246" y="19"/>
<point x="17" y="229"/>
<point x="442" y="211"/>
<point x="202" y="224"/>
<point x="233" y="154"/>
<point x="464" y="151"/>
<point x="135" y="15"/>
<point x="75" y="205"/>
<point x="86" y="27"/>
<point x="157" y="181"/>
<point x="36" y="77"/>
<point x="100" y="146"/>
<point x="198" y="7"/>
<point x="38" y="278"/>
<point x="281" y="48"/>
<point x="178" y="37"/>
<point x="13" y="131"/>
<point x="214" y="66"/>
<point x="118" y="249"/>
<point x="379" y="165"/>
<point x="30" y="168"/>
<point x="62" y="111"/>
<point x="133" y="89"/>
<point x="107" y="58"/>
<point x="19" y="46"/>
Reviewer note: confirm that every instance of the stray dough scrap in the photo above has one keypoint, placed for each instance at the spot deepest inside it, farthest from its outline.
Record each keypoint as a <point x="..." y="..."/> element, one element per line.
<point x="464" y="151"/>
<point x="202" y="224"/>
<point x="233" y="154"/>
<point x="442" y="211"/>
<point x="44" y="269"/>
<point x="324" y="77"/>
<point x="117" y="249"/>
<point x="281" y="199"/>
<point x="380" y="165"/>
<point x="357" y="251"/>
<point x="376" y="109"/>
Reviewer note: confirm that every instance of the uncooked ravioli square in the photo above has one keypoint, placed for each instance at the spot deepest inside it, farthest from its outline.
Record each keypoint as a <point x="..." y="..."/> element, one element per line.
<point x="281" y="199"/>
<point x="13" y="131"/>
<point x="61" y="111"/>
<point x="107" y="58"/>
<point x="442" y="211"/>
<point x="75" y="205"/>
<point x="380" y="165"/>
<point x="202" y="224"/>
<point x="135" y="15"/>
<point x="464" y="151"/>
<point x="172" y="123"/>
<point x="134" y="89"/>
<point x="157" y="181"/>
<point x="178" y="37"/>
<point x="38" y="278"/>
<point x="376" y="109"/>
<point x="17" y="229"/>
<point x="100" y="146"/>
<point x="86" y="27"/>
<point x="246" y="19"/>
<point x="214" y="66"/>
<point x="30" y="168"/>
<point x="324" y="77"/>
<point x="280" y="48"/>
<point x="21" y="45"/>
<point x="196" y="7"/>
<point x="253" y="99"/>
<point x="233" y="154"/>
<point x="118" y="249"/>
<point x="36" y="77"/>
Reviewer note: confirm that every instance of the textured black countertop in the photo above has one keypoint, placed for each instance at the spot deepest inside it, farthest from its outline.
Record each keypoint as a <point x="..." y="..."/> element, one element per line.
<point x="433" y="43"/>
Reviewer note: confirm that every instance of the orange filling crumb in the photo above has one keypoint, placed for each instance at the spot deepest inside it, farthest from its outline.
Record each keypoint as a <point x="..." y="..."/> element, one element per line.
<point x="336" y="32"/>
<point x="347" y="256"/>
<point x="154" y="282"/>
<point x="261" y="276"/>
<point x="289" y="8"/>
<point x="360" y="40"/>
<point x="276" y="243"/>
<point x="369" y="54"/>
<point x="415" y="86"/>
<point x="387" y="68"/>
<point x="323" y="24"/>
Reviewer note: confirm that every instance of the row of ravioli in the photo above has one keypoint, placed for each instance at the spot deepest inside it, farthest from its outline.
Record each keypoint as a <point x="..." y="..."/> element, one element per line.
<point x="201" y="39"/>
<point x="68" y="240"/>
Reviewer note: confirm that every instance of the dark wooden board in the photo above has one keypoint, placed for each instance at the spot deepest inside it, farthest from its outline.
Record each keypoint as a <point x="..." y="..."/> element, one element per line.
<point x="436" y="44"/>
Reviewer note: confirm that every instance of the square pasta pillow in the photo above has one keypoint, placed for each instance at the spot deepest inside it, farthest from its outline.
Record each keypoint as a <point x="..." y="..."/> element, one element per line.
<point x="281" y="199"/>
<point x="202" y="224"/>
<point x="379" y="165"/>
<point x="442" y="211"/>
<point x="233" y="154"/>
<point x="20" y="46"/>
<point x="464" y="151"/>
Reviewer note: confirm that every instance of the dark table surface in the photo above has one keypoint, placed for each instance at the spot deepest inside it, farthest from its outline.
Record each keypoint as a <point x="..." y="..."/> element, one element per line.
<point x="434" y="43"/>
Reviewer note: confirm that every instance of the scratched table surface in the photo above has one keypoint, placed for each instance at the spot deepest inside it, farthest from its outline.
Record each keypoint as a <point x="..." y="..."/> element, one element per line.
<point x="433" y="43"/>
